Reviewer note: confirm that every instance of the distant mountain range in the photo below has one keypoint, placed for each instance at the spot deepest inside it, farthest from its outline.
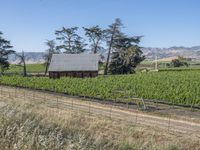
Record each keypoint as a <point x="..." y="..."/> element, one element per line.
<point x="166" y="53"/>
<point x="31" y="58"/>
<point x="149" y="52"/>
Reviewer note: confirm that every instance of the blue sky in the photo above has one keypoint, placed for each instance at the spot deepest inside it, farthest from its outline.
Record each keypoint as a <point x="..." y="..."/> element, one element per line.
<point x="163" y="23"/>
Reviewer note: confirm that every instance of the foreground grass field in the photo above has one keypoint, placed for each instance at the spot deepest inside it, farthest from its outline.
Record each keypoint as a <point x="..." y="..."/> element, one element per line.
<point x="178" y="87"/>
<point x="27" y="126"/>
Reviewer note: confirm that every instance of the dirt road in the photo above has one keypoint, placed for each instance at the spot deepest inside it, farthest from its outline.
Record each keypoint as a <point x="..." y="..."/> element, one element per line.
<point x="94" y="108"/>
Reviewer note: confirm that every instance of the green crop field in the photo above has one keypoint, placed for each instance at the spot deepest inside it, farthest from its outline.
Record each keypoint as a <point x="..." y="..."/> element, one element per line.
<point x="31" y="68"/>
<point x="178" y="87"/>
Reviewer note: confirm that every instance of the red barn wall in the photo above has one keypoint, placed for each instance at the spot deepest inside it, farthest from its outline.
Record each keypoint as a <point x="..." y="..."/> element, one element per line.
<point x="78" y="74"/>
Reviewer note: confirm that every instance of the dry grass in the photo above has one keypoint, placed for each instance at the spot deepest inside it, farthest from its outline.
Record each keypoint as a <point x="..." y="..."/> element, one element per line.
<point x="27" y="126"/>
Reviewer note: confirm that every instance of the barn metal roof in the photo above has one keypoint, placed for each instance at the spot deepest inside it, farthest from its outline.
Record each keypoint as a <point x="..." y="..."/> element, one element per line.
<point x="74" y="62"/>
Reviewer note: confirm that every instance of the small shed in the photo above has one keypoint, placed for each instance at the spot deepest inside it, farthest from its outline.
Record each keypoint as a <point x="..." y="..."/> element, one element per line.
<point x="73" y="65"/>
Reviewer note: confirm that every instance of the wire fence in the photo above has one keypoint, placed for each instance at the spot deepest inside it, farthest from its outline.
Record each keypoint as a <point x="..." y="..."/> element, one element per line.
<point x="131" y="114"/>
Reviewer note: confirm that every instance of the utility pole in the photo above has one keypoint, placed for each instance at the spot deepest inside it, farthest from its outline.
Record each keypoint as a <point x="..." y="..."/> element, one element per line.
<point x="156" y="63"/>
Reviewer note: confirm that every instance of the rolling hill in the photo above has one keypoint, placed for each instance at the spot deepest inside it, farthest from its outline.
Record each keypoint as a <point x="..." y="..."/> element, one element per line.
<point x="149" y="52"/>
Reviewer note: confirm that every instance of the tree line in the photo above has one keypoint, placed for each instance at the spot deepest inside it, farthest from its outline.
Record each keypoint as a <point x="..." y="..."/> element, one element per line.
<point x="123" y="51"/>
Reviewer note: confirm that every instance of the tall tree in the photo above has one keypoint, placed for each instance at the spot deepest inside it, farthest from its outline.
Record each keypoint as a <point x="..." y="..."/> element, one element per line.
<point x="22" y="62"/>
<point x="49" y="52"/>
<point x="95" y="35"/>
<point x="113" y="32"/>
<point x="5" y="51"/>
<point x="126" y="56"/>
<point x="71" y="42"/>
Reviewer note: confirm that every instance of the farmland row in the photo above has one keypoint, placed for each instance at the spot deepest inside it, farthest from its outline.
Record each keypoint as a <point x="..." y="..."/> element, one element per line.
<point x="175" y="87"/>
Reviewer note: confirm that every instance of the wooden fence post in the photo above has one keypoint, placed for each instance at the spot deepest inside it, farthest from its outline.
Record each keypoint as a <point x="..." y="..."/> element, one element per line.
<point x="111" y="111"/>
<point x="15" y="92"/>
<point x="44" y="97"/>
<point x="72" y="104"/>
<point x="89" y="108"/>
<point x="57" y="101"/>
<point x="24" y="95"/>
<point x="9" y="93"/>
<point x="136" y="117"/>
<point x="169" y="122"/>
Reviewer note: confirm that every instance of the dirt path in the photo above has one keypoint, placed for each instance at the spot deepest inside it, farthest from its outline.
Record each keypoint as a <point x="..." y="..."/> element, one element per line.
<point x="94" y="108"/>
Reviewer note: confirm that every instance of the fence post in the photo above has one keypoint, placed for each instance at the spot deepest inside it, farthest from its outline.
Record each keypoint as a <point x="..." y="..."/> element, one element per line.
<point x="15" y="93"/>
<point x="8" y="92"/>
<point x="44" y="97"/>
<point x="57" y="102"/>
<point x="169" y="122"/>
<point x="89" y="107"/>
<point x="1" y="90"/>
<point x="156" y="104"/>
<point x="136" y="116"/>
<point x="72" y="103"/>
<point x="111" y="111"/>
<point x="33" y="95"/>
<point x="24" y="95"/>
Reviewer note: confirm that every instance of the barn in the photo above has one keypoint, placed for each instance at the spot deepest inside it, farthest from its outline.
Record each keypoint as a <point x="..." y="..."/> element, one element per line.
<point x="73" y="65"/>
